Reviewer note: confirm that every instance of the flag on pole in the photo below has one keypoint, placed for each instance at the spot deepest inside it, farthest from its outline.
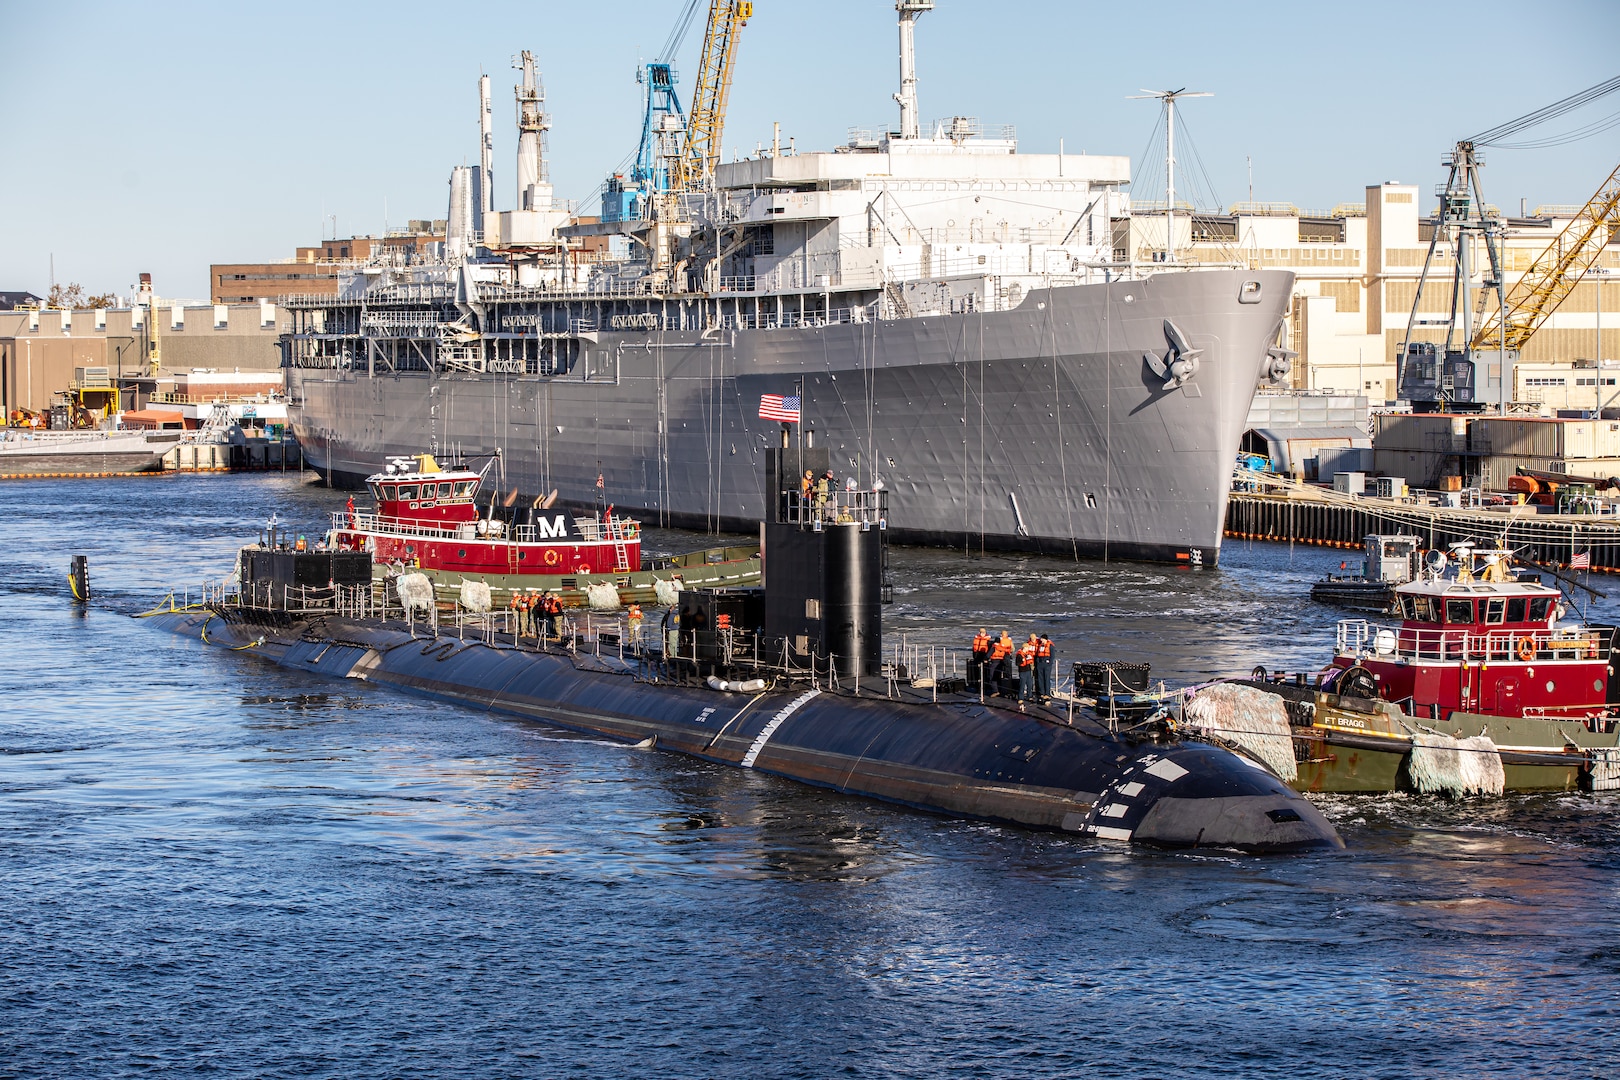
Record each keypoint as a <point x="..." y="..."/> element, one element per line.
<point x="1583" y="561"/>
<point x="777" y="407"/>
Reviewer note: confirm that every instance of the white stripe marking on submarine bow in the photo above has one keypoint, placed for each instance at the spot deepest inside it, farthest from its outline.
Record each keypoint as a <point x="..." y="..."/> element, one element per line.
<point x="1107" y="832"/>
<point x="769" y="729"/>
<point x="1165" y="769"/>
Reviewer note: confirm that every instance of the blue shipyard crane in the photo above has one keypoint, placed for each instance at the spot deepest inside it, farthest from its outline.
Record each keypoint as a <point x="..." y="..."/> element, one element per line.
<point x="663" y="125"/>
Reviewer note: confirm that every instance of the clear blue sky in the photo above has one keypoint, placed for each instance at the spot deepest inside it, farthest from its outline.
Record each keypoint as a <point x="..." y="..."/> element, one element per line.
<point x="167" y="136"/>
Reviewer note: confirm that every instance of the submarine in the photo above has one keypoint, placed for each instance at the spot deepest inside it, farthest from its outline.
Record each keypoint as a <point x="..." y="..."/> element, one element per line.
<point x="788" y="679"/>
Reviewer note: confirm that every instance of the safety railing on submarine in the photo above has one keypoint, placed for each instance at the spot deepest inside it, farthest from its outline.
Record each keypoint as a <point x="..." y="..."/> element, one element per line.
<point x="653" y="653"/>
<point x="838" y="506"/>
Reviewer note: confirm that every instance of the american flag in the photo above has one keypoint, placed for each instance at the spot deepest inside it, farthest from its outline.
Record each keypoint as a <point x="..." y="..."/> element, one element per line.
<point x="777" y="407"/>
<point x="1583" y="561"/>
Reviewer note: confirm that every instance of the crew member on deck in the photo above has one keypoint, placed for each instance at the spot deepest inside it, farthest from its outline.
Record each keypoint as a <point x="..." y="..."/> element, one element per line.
<point x="823" y="490"/>
<point x="1026" y="669"/>
<point x="634" y="616"/>
<point x="1043" y="667"/>
<point x="981" y="653"/>
<point x="1001" y="658"/>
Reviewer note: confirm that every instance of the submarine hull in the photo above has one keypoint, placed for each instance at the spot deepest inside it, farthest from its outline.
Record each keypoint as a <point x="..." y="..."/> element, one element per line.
<point x="956" y="757"/>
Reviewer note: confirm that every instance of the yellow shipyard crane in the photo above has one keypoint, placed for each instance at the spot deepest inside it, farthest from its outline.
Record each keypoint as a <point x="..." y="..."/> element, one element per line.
<point x="1555" y="272"/>
<point x="706" y="121"/>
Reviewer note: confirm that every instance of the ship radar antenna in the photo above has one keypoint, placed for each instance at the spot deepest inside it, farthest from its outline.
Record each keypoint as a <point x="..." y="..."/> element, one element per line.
<point x="910" y="11"/>
<point x="1170" y="97"/>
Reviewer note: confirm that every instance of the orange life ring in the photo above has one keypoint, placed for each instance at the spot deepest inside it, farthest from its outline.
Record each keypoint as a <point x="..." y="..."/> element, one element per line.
<point x="552" y="557"/>
<point x="1526" y="648"/>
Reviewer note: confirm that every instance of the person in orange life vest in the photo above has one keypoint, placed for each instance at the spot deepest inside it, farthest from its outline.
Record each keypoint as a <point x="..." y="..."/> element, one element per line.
<point x="981" y="653"/>
<point x="1026" y="669"/>
<point x="634" y="616"/>
<point x="1044" y="665"/>
<point x="1001" y="651"/>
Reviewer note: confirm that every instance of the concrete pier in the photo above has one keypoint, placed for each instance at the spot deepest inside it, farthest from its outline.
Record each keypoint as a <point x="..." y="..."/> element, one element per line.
<point x="1307" y="517"/>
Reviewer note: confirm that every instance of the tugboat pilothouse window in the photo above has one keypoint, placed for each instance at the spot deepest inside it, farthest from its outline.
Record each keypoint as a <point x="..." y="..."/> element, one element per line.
<point x="1540" y="608"/>
<point x="1460" y="611"/>
<point x="407" y="491"/>
<point x="1494" y="610"/>
<point x="1516" y="609"/>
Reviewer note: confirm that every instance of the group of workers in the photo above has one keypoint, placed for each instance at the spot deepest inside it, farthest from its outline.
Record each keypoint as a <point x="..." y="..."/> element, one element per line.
<point x="816" y="492"/>
<point x="997" y="661"/>
<point x="537" y="612"/>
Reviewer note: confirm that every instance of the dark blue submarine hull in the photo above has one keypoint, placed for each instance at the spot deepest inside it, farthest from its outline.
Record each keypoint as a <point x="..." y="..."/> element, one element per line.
<point x="956" y="757"/>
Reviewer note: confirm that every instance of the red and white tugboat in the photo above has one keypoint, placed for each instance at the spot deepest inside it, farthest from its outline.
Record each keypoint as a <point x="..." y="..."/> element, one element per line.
<point x="1482" y="687"/>
<point x="427" y="519"/>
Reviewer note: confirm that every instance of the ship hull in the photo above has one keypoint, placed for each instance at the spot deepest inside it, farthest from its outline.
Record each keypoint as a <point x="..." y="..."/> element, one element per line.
<point x="1042" y="428"/>
<point x="86" y="455"/>
<point x="963" y="759"/>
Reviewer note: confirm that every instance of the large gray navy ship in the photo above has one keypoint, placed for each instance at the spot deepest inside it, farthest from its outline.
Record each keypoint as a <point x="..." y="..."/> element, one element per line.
<point x="949" y="318"/>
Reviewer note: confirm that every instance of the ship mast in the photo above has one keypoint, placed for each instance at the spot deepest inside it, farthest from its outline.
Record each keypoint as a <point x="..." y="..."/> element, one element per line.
<point x="910" y="11"/>
<point x="1170" y="97"/>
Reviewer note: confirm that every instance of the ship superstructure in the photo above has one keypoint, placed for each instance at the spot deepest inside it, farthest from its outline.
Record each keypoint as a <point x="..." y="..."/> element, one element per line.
<point x="947" y="310"/>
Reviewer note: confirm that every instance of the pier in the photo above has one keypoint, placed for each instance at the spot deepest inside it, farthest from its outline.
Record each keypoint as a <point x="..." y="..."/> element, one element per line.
<point x="1293" y="513"/>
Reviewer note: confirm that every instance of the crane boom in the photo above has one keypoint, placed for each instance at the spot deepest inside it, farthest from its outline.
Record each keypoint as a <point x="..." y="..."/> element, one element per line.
<point x="1555" y="272"/>
<point x="707" y="119"/>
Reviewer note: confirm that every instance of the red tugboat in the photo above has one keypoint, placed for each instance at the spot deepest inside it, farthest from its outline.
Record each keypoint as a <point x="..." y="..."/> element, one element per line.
<point x="1482" y="641"/>
<point x="1480" y="689"/>
<point x="427" y="518"/>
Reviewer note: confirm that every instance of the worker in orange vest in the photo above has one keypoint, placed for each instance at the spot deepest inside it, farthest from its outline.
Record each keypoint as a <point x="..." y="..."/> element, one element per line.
<point x="981" y="653"/>
<point x="1044" y="665"/>
<point x="1026" y="668"/>
<point x="634" y="616"/>
<point x="1001" y="651"/>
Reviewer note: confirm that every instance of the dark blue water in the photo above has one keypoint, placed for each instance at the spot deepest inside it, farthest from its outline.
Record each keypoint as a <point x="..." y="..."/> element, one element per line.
<point x="212" y="867"/>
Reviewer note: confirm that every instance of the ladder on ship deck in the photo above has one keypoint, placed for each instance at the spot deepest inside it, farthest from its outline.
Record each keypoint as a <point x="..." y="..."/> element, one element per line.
<point x="511" y="558"/>
<point x="621" y="554"/>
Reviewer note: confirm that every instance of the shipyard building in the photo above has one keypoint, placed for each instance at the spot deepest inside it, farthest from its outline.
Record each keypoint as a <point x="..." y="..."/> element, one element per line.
<point x="1356" y="270"/>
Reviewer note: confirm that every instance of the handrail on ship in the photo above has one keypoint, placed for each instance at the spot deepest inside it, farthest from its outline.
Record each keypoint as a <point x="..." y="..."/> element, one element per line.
<point x="617" y="530"/>
<point x="841" y="507"/>
<point x="1356" y="638"/>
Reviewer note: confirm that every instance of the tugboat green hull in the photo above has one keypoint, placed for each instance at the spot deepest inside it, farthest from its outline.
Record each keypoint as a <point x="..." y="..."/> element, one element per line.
<point x="1354" y="746"/>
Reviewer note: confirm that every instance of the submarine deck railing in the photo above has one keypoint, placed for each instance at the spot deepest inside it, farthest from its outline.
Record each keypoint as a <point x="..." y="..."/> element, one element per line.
<point x="643" y="651"/>
<point x="841" y="506"/>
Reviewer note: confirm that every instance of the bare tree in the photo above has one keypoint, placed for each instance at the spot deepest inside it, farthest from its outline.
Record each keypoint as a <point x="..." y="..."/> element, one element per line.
<point x="69" y="297"/>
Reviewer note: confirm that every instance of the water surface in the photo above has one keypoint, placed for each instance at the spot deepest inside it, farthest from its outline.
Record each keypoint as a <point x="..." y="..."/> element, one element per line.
<point x="211" y="866"/>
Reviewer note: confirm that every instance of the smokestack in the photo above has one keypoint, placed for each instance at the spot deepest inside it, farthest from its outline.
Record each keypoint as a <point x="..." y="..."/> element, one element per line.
<point x="458" y="224"/>
<point x="486" y="155"/>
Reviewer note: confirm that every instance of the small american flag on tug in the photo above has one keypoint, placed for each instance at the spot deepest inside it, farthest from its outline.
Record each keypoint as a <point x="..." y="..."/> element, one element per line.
<point x="1583" y="561"/>
<point x="777" y="407"/>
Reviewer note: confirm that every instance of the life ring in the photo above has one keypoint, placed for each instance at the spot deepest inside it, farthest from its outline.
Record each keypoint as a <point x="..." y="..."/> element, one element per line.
<point x="1526" y="648"/>
<point x="552" y="558"/>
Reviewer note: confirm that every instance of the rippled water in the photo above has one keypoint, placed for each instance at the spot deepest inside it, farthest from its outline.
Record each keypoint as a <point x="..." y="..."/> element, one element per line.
<point x="212" y="866"/>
